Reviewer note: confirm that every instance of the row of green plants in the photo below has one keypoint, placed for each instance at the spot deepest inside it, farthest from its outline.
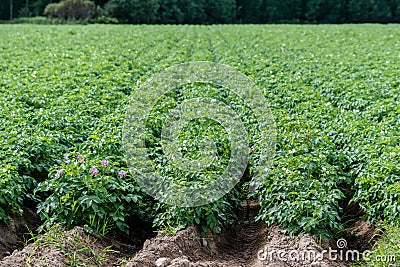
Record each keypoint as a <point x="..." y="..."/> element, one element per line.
<point x="333" y="90"/>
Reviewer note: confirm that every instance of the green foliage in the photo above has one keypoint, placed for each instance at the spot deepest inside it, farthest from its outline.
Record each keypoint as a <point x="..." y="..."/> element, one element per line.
<point x="212" y="217"/>
<point x="326" y="11"/>
<point x="194" y="11"/>
<point x="132" y="11"/>
<point x="370" y="11"/>
<point x="79" y="249"/>
<point x="34" y="20"/>
<point x="379" y="186"/>
<point x="86" y="190"/>
<point x="282" y="11"/>
<point x="71" y="9"/>
<point x="169" y="12"/>
<point x="36" y="8"/>
<point x="224" y="11"/>
<point x="333" y="90"/>
<point x="41" y="123"/>
<point x="12" y="190"/>
<point x="302" y="191"/>
<point x="386" y="251"/>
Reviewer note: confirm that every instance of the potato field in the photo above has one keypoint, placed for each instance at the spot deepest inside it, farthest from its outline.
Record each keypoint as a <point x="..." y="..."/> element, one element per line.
<point x="333" y="92"/>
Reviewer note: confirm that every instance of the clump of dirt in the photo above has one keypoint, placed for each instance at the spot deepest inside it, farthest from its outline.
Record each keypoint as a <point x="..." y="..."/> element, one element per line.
<point x="186" y="245"/>
<point x="12" y="235"/>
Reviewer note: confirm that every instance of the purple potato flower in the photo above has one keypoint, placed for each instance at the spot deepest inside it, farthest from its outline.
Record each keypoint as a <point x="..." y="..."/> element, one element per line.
<point x="104" y="163"/>
<point x="80" y="158"/>
<point x="94" y="171"/>
<point x="59" y="173"/>
<point x="122" y="174"/>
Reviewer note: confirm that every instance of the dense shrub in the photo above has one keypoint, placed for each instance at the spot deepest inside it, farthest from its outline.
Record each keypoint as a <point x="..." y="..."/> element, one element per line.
<point x="71" y="9"/>
<point x="34" y="20"/>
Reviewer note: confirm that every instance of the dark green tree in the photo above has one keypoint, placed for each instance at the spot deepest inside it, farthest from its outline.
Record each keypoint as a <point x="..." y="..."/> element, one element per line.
<point x="193" y="11"/>
<point x="249" y="11"/>
<point x="133" y="11"/>
<point x="169" y="12"/>
<point x="283" y="11"/>
<point x="396" y="12"/>
<point x="222" y="11"/>
<point x="9" y="8"/>
<point x="71" y="9"/>
<point x="37" y="7"/>
<point x="100" y="3"/>
<point x="326" y="11"/>
<point x="226" y="11"/>
<point x="370" y="11"/>
<point x="394" y="6"/>
<point x="25" y="10"/>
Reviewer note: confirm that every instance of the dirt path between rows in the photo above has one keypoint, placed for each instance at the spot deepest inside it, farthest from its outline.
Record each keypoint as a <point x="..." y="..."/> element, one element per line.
<point x="242" y="245"/>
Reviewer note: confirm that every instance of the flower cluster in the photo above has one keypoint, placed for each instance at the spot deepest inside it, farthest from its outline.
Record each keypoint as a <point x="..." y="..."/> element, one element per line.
<point x="93" y="170"/>
<point x="104" y="163"/>
<point x="81" y="159"/>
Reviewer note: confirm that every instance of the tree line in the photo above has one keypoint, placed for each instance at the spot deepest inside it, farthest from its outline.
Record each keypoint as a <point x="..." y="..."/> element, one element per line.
<point x="210" y="11"/>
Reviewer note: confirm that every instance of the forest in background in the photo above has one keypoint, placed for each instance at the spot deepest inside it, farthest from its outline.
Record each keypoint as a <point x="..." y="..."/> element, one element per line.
<point x="207" y="11"/>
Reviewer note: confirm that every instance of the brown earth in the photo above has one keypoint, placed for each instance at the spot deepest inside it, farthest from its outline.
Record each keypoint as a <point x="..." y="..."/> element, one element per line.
<point x="242" y="245"/>
<point x="12" y="235"/>
<point x="236" y="247"/>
